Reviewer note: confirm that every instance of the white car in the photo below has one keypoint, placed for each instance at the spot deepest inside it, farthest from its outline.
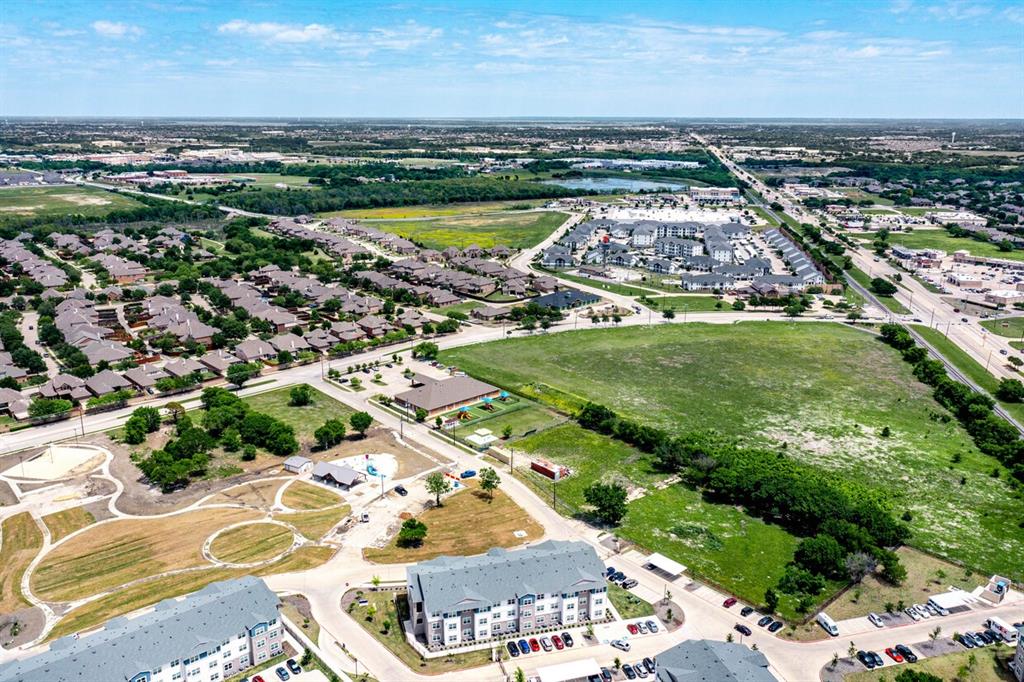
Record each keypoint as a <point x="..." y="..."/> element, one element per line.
<point x="620" y="644"/>
<point x="922" y="611"/>
<point x="546" y="644"/>
<point x="912" y="613"/>
<point x="876" y="620"/>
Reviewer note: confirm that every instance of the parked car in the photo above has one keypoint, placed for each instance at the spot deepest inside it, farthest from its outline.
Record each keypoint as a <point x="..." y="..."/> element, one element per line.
<point x="609" y="572"/>
<point x="996" y="637"/>
<point x="294" y="667"/>
<point x="524" y="646"/>
<point x="606" y="675"/>
<point x="400" y="489"/>
<point x="729" y="602"/>
<point x="557" y="641"/>
<point x="639" y="670"/>
<point x="765" y="620"/>
<point x="620" y="644"/>
<point x="742" y="629"/>
<point x="652" y="626"/>
<point x="513" y="650"/>
<point x="981" y="638"/>
<point x="894" y="655"/>
<point x="642" y="628"/>
<point x="534" y="644"/>
<point x="629" y="584"/>
<point x="567" y="639"/>
<point x="282" y="674"/>
<point x="468" y="473"/>
<point x="908" y="655"/>
<point x="627" y="670"/>
<point x="922" y="611"/>
<point x="912" y="613"/>
<point x="866" y="659"/>
<point x="878" y="659"/>
<point x="649" y="664"/>
<point x="931" y="609"/>
<point x="545" y="643"/>
<point x="633" y="629"/>
<point x="775" y="627"/>
<point x="876" y="620"/>
<point x="617" y="576"/>
<point x="746" y="611"/>
<point x="257" y="678"/>
<point x="965" y="639"/>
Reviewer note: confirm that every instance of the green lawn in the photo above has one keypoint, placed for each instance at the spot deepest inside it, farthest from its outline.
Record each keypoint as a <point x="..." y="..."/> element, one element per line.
<point x="693" y="304"/>
<point x="514" y="230"/>
<point x="1010" y="327"/>
<point x="29" y="202"/>
<point x="306" y="419"/>
<point x="628" y="604"/>
<point x="823" y="389"/>
<point x="531" y="417"/>
<point x="435" y="210"/>
<point x="940" y="239"/>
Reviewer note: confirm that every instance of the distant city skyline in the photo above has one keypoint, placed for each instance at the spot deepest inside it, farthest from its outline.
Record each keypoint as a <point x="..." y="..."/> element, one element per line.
<point x="467" y="59"/>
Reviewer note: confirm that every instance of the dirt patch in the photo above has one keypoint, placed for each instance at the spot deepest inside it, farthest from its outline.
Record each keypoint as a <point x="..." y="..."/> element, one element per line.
<point x="21" y="627"/>
<point x="7" y="496"/>
<point x="413" y="459"/>
<point x="99" y="509"/>
<point x="83" y="199"/>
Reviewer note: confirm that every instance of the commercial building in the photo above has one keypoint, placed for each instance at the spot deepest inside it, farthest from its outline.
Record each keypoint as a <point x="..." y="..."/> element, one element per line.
<point x="443" y="395"/>
<point x="209" y="635"/>
<point x="453" y="600"/>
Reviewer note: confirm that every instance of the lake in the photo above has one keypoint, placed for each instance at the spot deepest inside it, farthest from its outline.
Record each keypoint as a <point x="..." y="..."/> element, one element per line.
<point x="616" y="185"/>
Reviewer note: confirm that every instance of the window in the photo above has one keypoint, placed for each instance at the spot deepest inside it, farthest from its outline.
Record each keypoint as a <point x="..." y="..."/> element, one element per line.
<point x="511" y="614"/>
<point x="598" y="601"/>
<point x="526" y="600"/>
<point x="571" y="605"/>
<point x="435" y="626"/>
<point x="452" y="626"/>
<point x="483" y="621"/>
<point x="228" y="666"/>
<point x="435" y="638"/>
<point x="176" y="676"/>
<point x="261" y="656"/>
<point x="261" y="643"/>
<point x="467" y="633"/>
<point x="215" y="676"/>
<point x="540" y="607"/>
<point x="466" y="620"/>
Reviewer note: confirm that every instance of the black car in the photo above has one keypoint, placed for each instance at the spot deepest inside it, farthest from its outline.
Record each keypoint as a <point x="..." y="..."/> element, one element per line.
<point x="878" y="659"/>
<point x="400" y="489"/>
<point x="908" y="655"/>
<point x="984" y="637"/>
<point x="996" y="637"/>
<point x="606" y="675"/>
<point x="609" y="572"/>
<point x="966" y="640"/>
<point x="775" y="627"/>
<point x="617" y="576"/>
<point x="567" y="639"/>
<point x="513" y="650"/>
<point x="742" y="629"/>
<point x="867" y="659"/>
<point x="294" y="667"/>
<point x="628" y="669"/>
<point x="746" y="611"/>
<point x="765" y="620"/>
<point x="649" y="664"/>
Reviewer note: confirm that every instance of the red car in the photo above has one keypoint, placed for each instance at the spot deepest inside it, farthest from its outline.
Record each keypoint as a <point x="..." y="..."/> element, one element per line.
<point x="633" y="629"/>
<point x="894" y="655"/>
<point x="729" y="602"/>
<point x="557" y="641"/>
<point x="257" y="679"/>
<point x="534" y="645"/>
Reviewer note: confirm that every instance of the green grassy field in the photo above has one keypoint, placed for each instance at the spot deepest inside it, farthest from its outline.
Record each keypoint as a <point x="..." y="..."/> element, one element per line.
<point x="824" y="390"/>
<point x="530" y="418"/>
<point x="693" y="304"/>
<point x="989" y="665"/>
<point x="435" y="210"/>
<point x="305" y="419"/>
<point x="1010" y="327"/>
<point x="610" y="287"/>
<point x="940" y="239"/>
<point x="29" y="202"/>
<point x="251" y="543"/>
<point x="514" y="230"/>
<point x="889" y="302"/>
<point x="628" y="604"/>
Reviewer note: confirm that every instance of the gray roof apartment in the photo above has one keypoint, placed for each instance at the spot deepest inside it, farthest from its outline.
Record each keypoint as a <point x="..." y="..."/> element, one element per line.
<point x="707" y="661"/>
<point x="174" y="629"/>
<point x="448" y="584"/>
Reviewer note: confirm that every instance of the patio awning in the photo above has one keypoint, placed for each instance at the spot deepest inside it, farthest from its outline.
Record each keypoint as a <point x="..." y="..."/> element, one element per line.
<point x="662" y="562"/>
<point x="572" y="670"/>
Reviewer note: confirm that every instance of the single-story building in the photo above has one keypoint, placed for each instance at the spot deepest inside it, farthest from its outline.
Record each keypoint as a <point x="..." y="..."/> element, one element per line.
<point x="339" y="475"/>
<point x="488" y="314"/>
<point x="442" y="395"/>
<point x="298" y="464"/>
<point x="566" y="298"/>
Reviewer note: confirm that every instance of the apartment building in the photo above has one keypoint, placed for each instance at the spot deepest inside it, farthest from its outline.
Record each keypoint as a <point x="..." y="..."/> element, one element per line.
<point x="454" y="600"/>
<point x="206" y="636"/>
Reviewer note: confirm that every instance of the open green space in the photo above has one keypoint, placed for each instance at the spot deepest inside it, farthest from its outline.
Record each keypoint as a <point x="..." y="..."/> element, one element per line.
<point x="305" y="419"/>
<point x="889" y="302"/>
<point x="62" y="200"/>
<point x="64" y="523"/>
<point x="529" y="417"/>
<point x="971" y="368"/>
<point x="435" y="210"/>
<point x="940" y="239"/>
<point x="516" y="230"/>
<point x="605" y="285"/>
<point x="824" y="391"/>
<point x="628" y="604"/>
<point x="1010" y="327"/>
<point x="315" y="524"/>
<point x="303" y="496"/>
<point x="251" y="543"/>
<point x="21" y="541"/>
<point x="692" y="304"/>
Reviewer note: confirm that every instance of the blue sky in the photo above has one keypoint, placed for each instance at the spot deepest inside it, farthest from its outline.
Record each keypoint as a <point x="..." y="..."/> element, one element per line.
<point x="744" y="58"/>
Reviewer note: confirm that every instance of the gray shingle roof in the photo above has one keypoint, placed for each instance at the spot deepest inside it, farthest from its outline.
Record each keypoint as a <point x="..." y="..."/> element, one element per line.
<point x="448" y="584"/>
<point x="709" y="661"/>
<point x="174" y="629"/>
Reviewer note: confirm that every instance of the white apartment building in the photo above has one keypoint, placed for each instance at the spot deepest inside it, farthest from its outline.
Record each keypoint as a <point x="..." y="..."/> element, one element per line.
<point x="453" y="600"/>
<point x="207" y="636"/>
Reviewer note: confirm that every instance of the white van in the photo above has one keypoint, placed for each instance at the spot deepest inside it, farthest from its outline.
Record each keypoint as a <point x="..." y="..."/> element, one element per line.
<point x="1005" y="630"/>
<point x="828" y="624"/>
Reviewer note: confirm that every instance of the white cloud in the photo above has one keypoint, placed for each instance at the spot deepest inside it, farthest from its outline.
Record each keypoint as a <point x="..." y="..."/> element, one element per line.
<point x="279" y="33"/>
<point x="901" y="6"/>
<point x="1014" y="14"/>
<point x="826" y="35"/>
<point x="116" y="29"/>
<point x="958" y="11"/>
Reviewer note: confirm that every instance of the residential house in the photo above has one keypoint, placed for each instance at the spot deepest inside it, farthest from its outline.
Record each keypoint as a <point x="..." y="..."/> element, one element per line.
<point x="255" y="350"/>
<point x="443" y="395"/>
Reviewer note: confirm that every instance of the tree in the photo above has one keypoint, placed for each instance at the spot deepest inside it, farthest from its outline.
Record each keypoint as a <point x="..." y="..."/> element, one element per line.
<point x="437" y="485"/>
<point x="44" y="407"/>
<point x="438" y="421"/>
<point x="240" y="373"/>
<point x="330" y="434"/>
<point x="935" y="634"/>
<point x="908" y="675"/>
<point x="608" y="500"/>
<point x="851" y="650"/>
<point x="300" y="396"/>
<point x="771" y="599"/>
<point x="520" y="676"/>
<point x="859" y="565"/>
<point x="489" y="481"/>
<point x="412" y="533"/>
<point x="425" y="350"/>
<point x="835" y="660"/>
<point x="506" y="432"/>
<point x="175" y="410"/>
<point x="821" y="554"/>
<point x="883" y="287"/>
<point x="1010" y="390"/>
<point x="134" y="431"/>
<point x="360" y="422"/>
<point x="421" y="414"/>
